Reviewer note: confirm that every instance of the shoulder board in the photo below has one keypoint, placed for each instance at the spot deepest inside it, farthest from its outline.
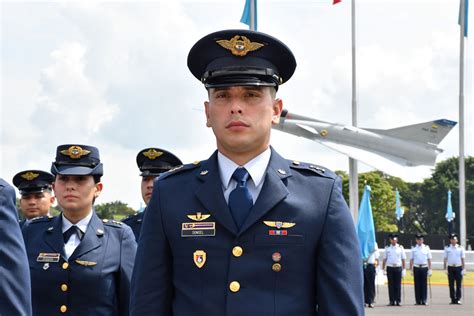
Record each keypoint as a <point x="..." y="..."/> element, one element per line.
<point x="318" y="170"/>
<point x="112" y="222"/>
<point x="179" y="169"/>
<point x="129" y="217"/>
<point x="40" y="219"/>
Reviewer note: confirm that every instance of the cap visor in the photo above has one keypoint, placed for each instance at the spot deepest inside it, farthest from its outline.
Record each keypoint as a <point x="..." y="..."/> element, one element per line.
<point x="74" y="170"/>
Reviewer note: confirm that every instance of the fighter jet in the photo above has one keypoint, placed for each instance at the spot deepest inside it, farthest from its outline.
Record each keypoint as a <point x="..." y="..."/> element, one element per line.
<point x="384" y="149"/>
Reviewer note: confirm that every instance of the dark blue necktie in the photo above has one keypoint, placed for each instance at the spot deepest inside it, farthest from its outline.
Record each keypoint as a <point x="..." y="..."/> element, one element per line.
<point x="72" y="230"/>
<point x="240" y="199"/>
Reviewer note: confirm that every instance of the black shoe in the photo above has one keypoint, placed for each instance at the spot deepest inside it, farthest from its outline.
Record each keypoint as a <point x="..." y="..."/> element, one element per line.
<point x="371" y="305"/>
<point x="452" y="303"/>
<point x="424" y="303"/>
<point x="458" y="303"/>
<point x="393" y="304"/>
<point x="398" y="304"/>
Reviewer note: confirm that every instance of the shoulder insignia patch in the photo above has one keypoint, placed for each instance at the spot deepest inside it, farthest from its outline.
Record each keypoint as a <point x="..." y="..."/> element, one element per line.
<point x="321" y="171"/>
<point x="112" y="222"/>
<point x="179" y="169"/>
<point x="39" y="219"/>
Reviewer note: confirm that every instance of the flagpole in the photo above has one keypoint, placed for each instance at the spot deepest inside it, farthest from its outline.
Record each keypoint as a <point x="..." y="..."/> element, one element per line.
<point x="252" y="15"/>
<point x="353" y="173"/>
<point x="462" y="195"/>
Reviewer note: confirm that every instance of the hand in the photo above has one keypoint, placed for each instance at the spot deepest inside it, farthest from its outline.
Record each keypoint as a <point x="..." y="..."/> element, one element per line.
<point x="384" y="272"/>
<point x="446" y="271"/>
<point x="430" y="272"/>
<point x="411" y="272"/>
<point x="463" y="272"/>
<point x="404" y="272"/>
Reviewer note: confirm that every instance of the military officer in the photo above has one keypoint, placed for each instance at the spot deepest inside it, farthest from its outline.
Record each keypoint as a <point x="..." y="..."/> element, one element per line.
<point x="246" y="232"/>
<point x="420" y="265"/>
<point x="151" y="162"/>
<point x="370" y="271"/>
<point x="80" y="265"/>
<point x="394" y="261"/>
<point x="35" y="188"/>
<point x="15" y="289"/>
<point x="454" y="265"/>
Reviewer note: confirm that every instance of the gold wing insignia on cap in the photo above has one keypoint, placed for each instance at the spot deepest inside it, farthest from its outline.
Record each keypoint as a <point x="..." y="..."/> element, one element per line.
<point x="75" y="152"/>
<point x="152" y="154"/>
<point x="239" y="45"/>
<point x="279" y="224"/>
<point x="30" y="175"/>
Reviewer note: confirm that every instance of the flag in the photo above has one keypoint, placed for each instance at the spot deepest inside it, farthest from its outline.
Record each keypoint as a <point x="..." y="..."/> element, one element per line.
<point x="365" y="226"/>
<point x="450" y="215"/>
<point x="398" y="209"/>
<point x="466" y="11"/>
<point x="246" y="16"/>
<point x="336" y="1"/>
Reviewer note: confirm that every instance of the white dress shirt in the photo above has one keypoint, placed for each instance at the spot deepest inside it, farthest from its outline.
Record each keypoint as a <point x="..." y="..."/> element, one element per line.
<point x="255" y="167"/>
<point x="74" y="240"/>
<point x="374" y="255"/>
<point x="454" y="255"/>
<point x="420" y="255"/>
<point x="394" y="255"/>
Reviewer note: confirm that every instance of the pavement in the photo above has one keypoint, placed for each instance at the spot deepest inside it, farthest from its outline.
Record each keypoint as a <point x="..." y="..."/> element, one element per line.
<point x="438" y="304"/>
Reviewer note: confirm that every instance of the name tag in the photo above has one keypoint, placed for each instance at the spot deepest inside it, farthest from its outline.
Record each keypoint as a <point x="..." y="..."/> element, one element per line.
<point x="202" y="229"/>
<point x="48" y="257"/>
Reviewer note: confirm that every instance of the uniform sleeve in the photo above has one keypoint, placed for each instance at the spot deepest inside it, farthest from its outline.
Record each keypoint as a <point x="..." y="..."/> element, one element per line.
<point x="404" y="255"/>
<point x="151" y="281"/>
<point x="15" y="289"/>
<point x="445" y="252"/>
<point x="128" y="252"/>
<point x="339" y="270"/>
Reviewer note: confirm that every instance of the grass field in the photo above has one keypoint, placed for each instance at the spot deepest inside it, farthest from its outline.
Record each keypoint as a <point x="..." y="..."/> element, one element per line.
<point x="440" y="277"/>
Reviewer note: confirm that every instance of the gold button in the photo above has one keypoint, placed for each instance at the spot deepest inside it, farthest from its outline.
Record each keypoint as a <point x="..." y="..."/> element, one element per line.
<point x="234" y="286"/>
<point x="237" y="251"/>
<point x="64" y="287"/>
<point x="63" y="308"/>
<point x="65" y="265"/>
<point x="276" y="267"/>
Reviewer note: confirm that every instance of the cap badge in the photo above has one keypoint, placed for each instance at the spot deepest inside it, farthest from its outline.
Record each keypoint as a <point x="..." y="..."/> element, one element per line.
<point x="239" y="45"/>
<point x="199" y="257"/>
<point x="279" y="224"/>
<point x="30" y="175"/>
<point x="152" y="154"/>
<point x="199" y="216"/>
<point x="75" y="152"/>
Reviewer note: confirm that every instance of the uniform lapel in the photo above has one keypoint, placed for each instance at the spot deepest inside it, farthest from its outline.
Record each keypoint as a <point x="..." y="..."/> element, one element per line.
<point x="91" y="238"/>
<point x="273" y="190"/>
<point x="210" y="193"/>
<point x="54" y="236"/>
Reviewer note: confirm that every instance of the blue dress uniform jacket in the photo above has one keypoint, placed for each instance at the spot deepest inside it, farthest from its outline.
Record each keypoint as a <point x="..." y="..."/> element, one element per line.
<point x="319" y="272"/>
<point x="15" y="290"/>
<point x="135" y="223"/>
<point x="96" y="278"/>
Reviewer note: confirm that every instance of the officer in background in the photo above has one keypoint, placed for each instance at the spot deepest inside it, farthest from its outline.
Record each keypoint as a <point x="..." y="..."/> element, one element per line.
<point x="420" y="266"/>
<point x="15" y="289"/>
<point x="394" y="267"/>
<point x="152" y="162"/>
<point x="35" y="188"/>
<point x="246" y="232"/>
<point x="454" y="257"/>
<point x="80" y="265"/>
<point x="370" y="271"/>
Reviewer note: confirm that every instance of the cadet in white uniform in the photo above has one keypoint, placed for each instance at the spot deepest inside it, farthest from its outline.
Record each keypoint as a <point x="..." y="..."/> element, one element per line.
<point x="394" y="260"/>
<point x="370" y="267"/>
<point x="420" y="265"/>
<point x="454" y="256"/>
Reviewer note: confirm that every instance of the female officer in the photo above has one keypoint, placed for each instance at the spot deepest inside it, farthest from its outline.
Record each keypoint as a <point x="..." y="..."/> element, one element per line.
<point x="79" y="264"/>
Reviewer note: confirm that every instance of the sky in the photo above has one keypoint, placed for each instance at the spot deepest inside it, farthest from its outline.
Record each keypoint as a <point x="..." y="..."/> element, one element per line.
<point x="113" y="74"/>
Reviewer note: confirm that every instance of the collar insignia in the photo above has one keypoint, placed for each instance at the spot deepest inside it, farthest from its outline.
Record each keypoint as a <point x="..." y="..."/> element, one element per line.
<point x="30" y="175"/>
<point x="279" y="224"/>
<point x="75" y="152"/>
<point x="239" y="45"/>
<point x="199" y="216"/>
<point x="152" y="154"/>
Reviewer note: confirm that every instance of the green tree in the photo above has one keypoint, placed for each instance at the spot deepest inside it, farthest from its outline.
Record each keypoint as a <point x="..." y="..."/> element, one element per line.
<point x="113" y="210"/>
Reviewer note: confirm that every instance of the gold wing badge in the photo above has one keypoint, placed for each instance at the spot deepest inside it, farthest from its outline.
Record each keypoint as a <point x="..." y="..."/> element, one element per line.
<point x="278" y="224"/>
<point x="198" y="217"/>
<point x="152" y="154"/>
<point x="239" y="45"/>
<point x="86" y="263"/>
<point x="30" y="176"/>
<point x="75" y="152"/>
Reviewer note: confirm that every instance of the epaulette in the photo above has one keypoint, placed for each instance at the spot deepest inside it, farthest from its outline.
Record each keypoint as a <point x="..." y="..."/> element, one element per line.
<point x="40" y="219"/>
<point x="319" y="170"/>
<point x="112" y="222"/>
<point x="179" y="169"/>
